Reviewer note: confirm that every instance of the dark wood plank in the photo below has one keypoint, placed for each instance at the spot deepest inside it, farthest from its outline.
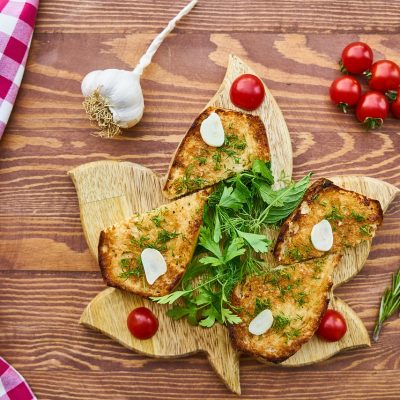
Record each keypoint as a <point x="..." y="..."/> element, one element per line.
<point x="50" y="134"/>
<point x="287" y="16"/>
<point x="39" y="315"/>
<point x="294" y="46"/>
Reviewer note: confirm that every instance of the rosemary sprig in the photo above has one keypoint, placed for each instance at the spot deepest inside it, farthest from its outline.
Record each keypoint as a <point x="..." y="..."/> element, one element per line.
<point x="390" y="303"/>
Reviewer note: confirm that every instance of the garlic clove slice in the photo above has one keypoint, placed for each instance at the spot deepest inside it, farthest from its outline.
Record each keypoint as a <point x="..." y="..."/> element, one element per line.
<point x="154" y="264"/>
<point x="261" y="323"/>
<point x="212" y="131"/>
<point x="322" y="236"/>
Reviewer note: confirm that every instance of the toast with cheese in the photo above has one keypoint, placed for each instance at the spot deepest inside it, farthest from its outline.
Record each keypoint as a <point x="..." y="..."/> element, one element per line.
<point x="297" y="296"/>
<point x="353" y="218"/>
<point x="197" y="165"/>
<point x="172" y="229"/>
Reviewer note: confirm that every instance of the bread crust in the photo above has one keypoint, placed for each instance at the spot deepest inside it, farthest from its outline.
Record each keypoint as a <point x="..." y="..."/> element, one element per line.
<point x="354" y="218"/>
<point x="196" y="165"/>
<point x="313" y="278"/>
<point x="180" y="221"/>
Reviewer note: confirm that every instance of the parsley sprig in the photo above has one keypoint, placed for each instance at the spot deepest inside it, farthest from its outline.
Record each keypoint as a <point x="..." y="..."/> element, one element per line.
<point x="390" y="303"/>
<point x="230" y="244"/>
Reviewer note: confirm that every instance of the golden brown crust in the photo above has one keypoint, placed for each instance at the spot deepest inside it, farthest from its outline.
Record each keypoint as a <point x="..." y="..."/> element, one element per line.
<point x="173" y="229"/>
<point x="196" y="165"/>
<point x="299" y="293"/>
<point x="353" y="217"/>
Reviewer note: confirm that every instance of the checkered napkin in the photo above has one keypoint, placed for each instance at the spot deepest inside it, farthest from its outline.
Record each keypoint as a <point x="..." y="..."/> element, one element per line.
<point x="17" y="19"/>
<point x="12" y="385"/>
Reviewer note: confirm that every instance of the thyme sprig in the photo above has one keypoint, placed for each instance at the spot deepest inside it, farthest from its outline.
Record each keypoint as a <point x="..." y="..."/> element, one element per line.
<point x="390" y="303"/>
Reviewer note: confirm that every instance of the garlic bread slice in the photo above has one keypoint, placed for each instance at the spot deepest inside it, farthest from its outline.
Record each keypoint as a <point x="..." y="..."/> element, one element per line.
<point x="172" y="229"/>
<point x="296" y="295"/>
<point x="353" y="218"/>
<point x="197" y="165"/>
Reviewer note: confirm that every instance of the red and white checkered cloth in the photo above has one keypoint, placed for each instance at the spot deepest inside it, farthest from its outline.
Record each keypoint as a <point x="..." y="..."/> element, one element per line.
<point x="17" y="20"/>
<point x="12" y="385"/>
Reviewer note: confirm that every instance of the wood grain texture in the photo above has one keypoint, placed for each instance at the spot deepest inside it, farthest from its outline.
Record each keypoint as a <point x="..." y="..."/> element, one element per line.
<point x="221" y="16"/>
<point x="49" y="134"/>
<point x="64" y="360"/>
<point x="295" y="47"/>
<point x="109" y="192"/>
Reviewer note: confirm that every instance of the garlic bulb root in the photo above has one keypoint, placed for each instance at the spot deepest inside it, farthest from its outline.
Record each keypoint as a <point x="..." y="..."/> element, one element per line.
<point x="98" y="110"/>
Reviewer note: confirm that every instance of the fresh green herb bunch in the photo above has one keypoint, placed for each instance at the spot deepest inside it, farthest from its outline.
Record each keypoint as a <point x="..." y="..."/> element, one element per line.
<point x="390" y="303"/>
<point x="231" y="241"/>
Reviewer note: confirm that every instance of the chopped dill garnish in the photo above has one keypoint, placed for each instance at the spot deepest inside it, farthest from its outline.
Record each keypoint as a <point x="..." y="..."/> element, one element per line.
<point x="127" y="271"/>
<point x="164" y="236"/>
<point x="293" y="333"/>
<point x="366" y="230"/>
<point x="334" y="215"/>
<point x="357" y="217"/>
<point x="230" y="149"/>
<point x="188" y="182"/>
<point x="261" y="305"/>
<point x="141" y="242"/>
<point x="280" y="322"/>
<point x="158" y="220"/>
<point x="201" y="160"/>
<point x="300" y="298"/>
<point x="159" y="244"/>
<point x="294" y="253"/>
<point x="318" y="264"/>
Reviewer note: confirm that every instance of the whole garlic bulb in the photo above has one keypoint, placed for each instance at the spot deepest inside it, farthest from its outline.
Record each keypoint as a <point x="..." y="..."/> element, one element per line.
<point x="113" y="97"/>
<point x="122" y="91"/>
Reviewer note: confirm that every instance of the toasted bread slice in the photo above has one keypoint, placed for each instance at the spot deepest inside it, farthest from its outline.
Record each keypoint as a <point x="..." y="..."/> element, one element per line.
<point x="197" y="165"/>
<point x="297" y="296"/>
<point x="353" y="217"/>
<point x="172" y="229"/>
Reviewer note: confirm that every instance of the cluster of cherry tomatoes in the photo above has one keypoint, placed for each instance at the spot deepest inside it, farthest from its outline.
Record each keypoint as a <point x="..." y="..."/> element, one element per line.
<point x="383" y="78"/>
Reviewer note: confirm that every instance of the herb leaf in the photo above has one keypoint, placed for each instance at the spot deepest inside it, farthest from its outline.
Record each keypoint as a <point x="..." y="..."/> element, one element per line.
<point x="231" y="241"/>
<point x="390" y="303"/>
<point x="286" y="200"/>
<point x="259" y="167"/>
<point x="259" y="243"/>
<point x="170" y="298"/>
<point x="230" y="200"/>
<point x="234" y="249"/>
<point x="209" y="244"/>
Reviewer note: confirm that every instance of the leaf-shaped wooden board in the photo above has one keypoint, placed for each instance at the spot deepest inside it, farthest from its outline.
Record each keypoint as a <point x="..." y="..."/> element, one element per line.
<point x="110" y="191"/>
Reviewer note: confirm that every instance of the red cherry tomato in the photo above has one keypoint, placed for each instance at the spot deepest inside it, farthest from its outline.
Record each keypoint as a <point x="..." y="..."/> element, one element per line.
<point x="345" y="91"/>
<point x="332" y="327"/>
<point x="372" y="109"/>
<point x="356" y="57"/>
<point x="384" y="75"/>
<point x="247" y="92"/>
<point x="142" y="323"/>
<point x="395" y="106"/>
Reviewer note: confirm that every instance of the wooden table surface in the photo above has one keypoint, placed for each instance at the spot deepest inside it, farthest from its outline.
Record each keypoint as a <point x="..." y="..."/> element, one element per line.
<point x="47" y="275"/>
